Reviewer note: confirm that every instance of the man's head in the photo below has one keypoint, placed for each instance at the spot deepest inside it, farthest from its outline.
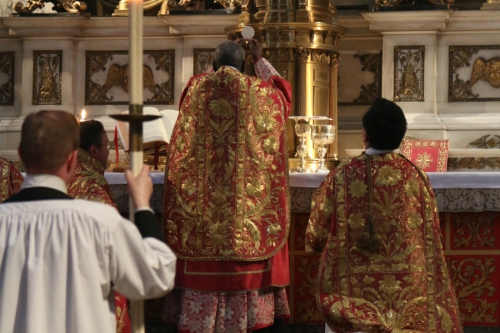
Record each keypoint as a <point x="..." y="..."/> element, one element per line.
<point x="93" y="139"/>
<point x="384" y="125"/>
<point x="229" y="54"/>
<point x="49" y="143"/>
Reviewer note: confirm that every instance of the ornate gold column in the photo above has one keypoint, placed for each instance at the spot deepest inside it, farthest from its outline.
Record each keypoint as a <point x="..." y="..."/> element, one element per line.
<point x="302" y="44"/>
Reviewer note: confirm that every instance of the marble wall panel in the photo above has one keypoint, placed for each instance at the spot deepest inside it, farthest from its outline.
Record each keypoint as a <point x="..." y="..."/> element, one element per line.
<point x="474" y="73"/>
<point x="106" y="77"/>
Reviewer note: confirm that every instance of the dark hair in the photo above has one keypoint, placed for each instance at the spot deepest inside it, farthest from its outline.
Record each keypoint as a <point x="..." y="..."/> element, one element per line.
<point x="229" y="54"/>
<point x="385" y="125"/>
<point x="47" y="139"/>
<point x="91" y="134"/>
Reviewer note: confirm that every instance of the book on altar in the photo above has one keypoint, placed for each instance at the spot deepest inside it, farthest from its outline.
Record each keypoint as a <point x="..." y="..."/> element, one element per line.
<point x="159" y="130"/>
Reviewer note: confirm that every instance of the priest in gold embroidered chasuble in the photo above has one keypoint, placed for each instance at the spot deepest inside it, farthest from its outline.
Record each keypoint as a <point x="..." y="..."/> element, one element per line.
<point x="375" y="220"/>
<point x="226" y="195"/>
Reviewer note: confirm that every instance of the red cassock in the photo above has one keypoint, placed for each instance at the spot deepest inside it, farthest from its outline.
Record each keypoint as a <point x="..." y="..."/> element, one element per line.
<point x="401" y="286"/>
<point x="10" y="179"/>
<point x="226" y="206"/>
<point x="89" y="183"/>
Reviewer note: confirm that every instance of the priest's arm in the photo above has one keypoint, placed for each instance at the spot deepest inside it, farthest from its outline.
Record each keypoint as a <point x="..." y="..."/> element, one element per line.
<point x="321" y="221"/>
<point x="266" y="72"/>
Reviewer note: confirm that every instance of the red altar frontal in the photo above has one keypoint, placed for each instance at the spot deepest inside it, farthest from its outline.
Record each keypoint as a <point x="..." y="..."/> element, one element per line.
<point x="472" y="249"/>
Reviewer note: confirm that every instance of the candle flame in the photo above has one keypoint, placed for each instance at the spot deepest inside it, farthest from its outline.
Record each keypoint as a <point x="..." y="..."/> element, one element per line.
<point x="82" y="115"/>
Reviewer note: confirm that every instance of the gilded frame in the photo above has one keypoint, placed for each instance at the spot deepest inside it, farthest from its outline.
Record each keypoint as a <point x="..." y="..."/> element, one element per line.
<point x="7" y="66"/>
<point x="159" y="62"/>
<point x="202" y="60"/>
<point x="409" y="80"/>
<point x="47" y="77"/>
<point x="460" y="56"/>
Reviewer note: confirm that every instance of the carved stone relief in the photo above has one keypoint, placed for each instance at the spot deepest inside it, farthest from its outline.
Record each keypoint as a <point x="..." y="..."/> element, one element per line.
<point x="481" y="64"/>
<point x="360" y="78"/>
<point x="487" y="141"/>
<point x="409" y="73"/>
<point x="106" y="77"/>
<point x="47" y="77"/>
<point x="7" y="67"/>
<point x="203" y="59"/>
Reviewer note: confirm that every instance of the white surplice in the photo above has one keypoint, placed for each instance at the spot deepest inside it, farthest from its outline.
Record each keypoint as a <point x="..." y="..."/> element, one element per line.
<point x="60" y="260"/>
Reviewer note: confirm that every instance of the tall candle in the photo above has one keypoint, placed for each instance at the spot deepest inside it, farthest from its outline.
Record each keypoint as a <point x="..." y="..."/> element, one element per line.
<point x="135" y="85"/>
<point x="135" y="50"/>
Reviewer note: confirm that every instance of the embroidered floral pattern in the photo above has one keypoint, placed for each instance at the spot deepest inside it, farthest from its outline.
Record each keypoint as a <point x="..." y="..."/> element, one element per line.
<point x="196" y="312"/>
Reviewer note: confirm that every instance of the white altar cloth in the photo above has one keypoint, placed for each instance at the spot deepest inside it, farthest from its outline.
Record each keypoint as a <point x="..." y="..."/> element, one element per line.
<point x="439" y="180"/>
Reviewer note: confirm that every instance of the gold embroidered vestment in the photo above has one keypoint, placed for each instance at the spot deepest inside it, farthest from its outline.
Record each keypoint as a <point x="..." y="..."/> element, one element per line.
<point x="402" y="287"/>
<point x="226" y="183"/>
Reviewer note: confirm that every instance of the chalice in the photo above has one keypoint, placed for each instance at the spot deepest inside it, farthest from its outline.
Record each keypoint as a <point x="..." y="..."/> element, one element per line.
<point x="302" y="130"/>
<point x="321" y="136"/>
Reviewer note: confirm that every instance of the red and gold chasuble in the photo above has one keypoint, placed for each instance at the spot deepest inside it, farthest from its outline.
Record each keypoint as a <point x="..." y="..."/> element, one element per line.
<point x="226" y="182"/>
<point x="10" y="179"/>
<point x="89" y="183"/>
<point x="226" y="207"/>
<point x="403" y="286"/>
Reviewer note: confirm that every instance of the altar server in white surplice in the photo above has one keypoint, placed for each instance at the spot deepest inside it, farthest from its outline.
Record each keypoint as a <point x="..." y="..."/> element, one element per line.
<point x="60" y="258"/>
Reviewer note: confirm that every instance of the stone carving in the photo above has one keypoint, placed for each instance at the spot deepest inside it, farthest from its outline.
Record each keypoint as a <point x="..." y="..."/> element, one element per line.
<point x="486" y="70"/>
<point x="371" y="62"/>
<point x="476" y="163"/>
<point x="7" y="66"/>
<point x="409" y="73"/>
<point x="460" y="58"/>
<point x="203" y="59"/>
<point x="487" y="141"/>
<point x="70" y="6"/>
<point x="47" y="77"/>
<point x="158" y="77"/>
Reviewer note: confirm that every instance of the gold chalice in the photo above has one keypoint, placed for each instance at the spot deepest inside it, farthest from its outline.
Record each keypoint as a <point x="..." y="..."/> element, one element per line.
<point x="321" y="136"/>
<point x="302" y="130"/>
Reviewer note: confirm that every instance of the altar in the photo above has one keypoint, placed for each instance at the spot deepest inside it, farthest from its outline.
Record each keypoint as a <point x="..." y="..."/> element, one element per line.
<point x="432" y="63"/>
<point x="469" y="209"/>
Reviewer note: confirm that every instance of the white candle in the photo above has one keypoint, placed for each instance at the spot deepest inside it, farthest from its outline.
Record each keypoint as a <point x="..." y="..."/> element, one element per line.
<point x="82" y="115"/>
<point x="135" y="51"/>
<point x="135" y="85"/>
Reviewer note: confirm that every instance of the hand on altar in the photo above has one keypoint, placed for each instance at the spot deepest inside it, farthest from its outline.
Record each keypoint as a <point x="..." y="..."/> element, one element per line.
<point x="140" y="187"/>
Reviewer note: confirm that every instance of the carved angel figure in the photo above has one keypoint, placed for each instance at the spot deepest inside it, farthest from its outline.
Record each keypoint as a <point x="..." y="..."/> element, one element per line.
<point x="118" y="76"/>
<point x="486" y="70"/>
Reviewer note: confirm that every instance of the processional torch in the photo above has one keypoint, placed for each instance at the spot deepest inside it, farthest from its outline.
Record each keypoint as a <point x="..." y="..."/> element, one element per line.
<point x="135" y="118"/>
